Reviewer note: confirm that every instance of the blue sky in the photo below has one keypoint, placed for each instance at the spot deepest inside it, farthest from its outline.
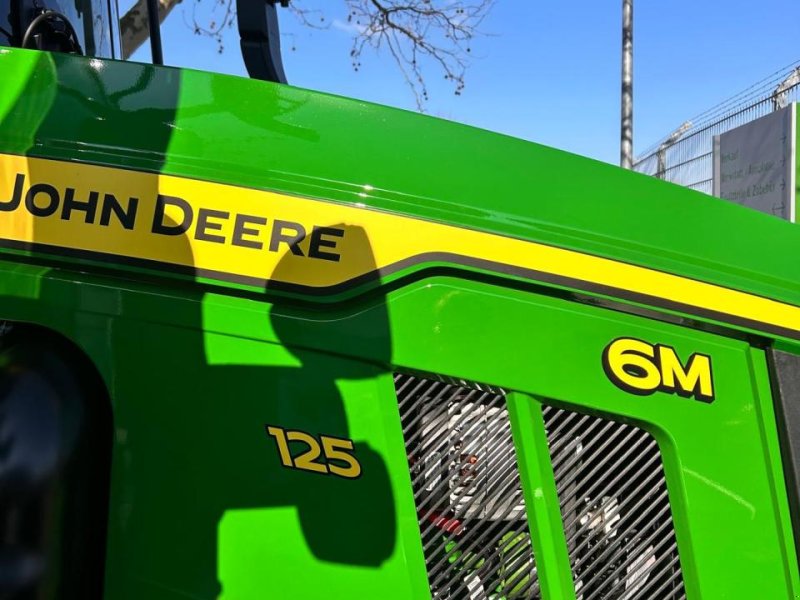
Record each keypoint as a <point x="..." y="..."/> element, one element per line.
<point x="546" y="71"/>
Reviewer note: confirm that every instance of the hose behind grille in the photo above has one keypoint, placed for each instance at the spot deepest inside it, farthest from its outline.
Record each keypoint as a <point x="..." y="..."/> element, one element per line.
<point x="615" y="509"/>
<point x="467" y="490"/>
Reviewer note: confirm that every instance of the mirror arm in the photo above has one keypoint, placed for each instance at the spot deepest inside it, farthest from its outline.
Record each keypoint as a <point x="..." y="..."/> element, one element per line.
<point x="261" y="38"/>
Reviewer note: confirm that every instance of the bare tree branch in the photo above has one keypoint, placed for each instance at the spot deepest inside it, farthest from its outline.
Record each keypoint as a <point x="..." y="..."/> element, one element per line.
<point x="309" y="17"/>
<point x="419" y="35"/>
<point x="222" y="16"/>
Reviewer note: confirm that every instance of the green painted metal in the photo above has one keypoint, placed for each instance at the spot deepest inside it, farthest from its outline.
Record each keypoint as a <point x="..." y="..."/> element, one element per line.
<point x="541" y="500"/>
<point x="201" y="506"/>
<point x="766" y="414"/>
<point x="256" y="134"/>
<point x="190" y="494"/>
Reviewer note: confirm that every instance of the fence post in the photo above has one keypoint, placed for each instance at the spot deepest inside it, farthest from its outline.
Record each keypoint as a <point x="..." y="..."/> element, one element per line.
<point x="626" y="133"/>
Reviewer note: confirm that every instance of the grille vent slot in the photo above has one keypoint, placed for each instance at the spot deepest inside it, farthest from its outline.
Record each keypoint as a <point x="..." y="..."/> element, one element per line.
<point x="467" y="490"/>
<point x="615" y="509"/>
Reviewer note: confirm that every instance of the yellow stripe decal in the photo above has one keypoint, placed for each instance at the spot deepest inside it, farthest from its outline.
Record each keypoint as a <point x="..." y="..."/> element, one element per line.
<point x="263" y="236"/>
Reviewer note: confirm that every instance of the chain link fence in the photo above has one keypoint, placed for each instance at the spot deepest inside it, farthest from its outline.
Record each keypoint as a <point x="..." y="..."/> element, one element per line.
<point x="686" y="157"/>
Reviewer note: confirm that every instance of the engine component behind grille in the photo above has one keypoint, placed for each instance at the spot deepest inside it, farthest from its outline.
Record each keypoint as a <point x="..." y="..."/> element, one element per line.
<point x="615" y="508"/>
<point x="467" y="490"/>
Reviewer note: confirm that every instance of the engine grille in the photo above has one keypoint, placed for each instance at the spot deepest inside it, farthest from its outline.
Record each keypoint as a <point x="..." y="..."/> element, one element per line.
<point x="467" y="490"/>
<point x="615" y="509"/>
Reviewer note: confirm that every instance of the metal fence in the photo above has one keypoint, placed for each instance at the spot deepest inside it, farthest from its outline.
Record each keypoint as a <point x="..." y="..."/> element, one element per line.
<point x="685" y="156"/>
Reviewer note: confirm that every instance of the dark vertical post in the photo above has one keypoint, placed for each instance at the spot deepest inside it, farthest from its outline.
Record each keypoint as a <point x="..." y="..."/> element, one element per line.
<point x="155" y="32"/>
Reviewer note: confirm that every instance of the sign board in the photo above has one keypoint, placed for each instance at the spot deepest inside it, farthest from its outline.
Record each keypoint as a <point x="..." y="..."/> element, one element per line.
<point x="754" y="165"/>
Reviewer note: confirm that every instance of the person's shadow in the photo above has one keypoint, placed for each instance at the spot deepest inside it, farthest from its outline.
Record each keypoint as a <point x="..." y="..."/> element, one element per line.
<point x="197" y="447"/>
<point x="191" y="405"/>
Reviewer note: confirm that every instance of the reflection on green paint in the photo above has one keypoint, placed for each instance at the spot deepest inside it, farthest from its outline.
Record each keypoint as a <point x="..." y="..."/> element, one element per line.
<point x="29" y="89"/>
<point x="201" y="505"/>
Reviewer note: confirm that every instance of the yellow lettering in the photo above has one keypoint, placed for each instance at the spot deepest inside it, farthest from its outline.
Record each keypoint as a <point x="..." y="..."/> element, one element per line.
<point x="642" y="368"/>
<point x="695" y="380"/>
<point x="630" y="364"/>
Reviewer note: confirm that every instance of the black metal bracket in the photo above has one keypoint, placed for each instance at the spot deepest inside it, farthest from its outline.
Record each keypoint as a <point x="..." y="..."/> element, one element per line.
<point x="261" y="38"/>
<point x="51" y="31"/>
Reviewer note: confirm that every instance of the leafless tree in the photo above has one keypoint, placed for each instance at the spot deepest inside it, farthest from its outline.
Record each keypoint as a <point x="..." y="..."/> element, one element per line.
<point x="420" y="36"/>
